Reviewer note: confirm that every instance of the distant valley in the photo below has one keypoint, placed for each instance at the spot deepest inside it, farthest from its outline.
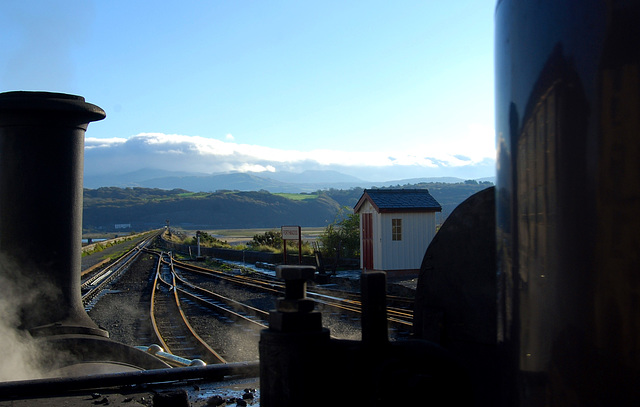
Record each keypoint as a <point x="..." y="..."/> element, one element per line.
<point x="277" y="182"/>
<point x="242" y="201"/>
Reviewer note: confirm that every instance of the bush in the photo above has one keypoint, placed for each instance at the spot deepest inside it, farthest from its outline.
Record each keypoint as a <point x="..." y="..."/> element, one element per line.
<point x="271" y="241"/>
<point x="206" y="240"/>
<point x="292" y="248"/>
<point x="271" y="238"/>
<point x="341" y="238"/>
<point x="264" y="248"/>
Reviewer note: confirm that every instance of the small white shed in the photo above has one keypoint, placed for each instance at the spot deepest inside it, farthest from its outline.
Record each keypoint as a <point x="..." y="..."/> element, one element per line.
<point x="396" y="227"/>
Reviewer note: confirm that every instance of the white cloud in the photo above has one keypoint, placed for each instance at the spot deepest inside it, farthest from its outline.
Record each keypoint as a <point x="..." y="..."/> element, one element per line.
<point x="90" y="143"/>
<point x="255" y="168"/>
<point x="175" y="152"/>
<point x="472" y="147"/>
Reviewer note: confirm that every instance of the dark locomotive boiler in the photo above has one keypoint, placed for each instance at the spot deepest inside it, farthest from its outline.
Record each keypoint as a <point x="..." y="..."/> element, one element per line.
<point x="41" y="168"/>
<point x="568" y="200"/>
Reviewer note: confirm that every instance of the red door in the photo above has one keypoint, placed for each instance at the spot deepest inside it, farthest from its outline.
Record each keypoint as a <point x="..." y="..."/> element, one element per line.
<point x="367" y="241"/>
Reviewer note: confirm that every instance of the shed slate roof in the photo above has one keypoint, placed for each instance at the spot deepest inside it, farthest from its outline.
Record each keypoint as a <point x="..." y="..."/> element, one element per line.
<point x="399" y="200"/>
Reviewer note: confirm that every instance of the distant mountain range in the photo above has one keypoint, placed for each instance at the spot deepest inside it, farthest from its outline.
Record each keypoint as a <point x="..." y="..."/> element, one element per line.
<point x="276" y="182"/>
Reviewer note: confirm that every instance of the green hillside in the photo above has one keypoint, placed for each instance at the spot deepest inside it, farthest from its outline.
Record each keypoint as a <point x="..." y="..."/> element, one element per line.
<point x="147" y="208"/>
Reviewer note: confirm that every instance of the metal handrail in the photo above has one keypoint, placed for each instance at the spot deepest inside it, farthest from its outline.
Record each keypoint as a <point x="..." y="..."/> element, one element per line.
<point x="174" y="360"/>
<point x="62" y="385"/>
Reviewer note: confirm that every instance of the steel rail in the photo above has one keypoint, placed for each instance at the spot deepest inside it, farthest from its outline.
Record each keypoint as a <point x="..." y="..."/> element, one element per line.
<point x="275" y="287"/>
<point x="103" y="277"/>
<point x="94" y="267"/>
<point x="223" y="309"/>
<point x="152" y="315"/>
<point x="211" y="354"/>
<point x="258" y="313"/>
<point x="271" y="283"/>
<point x="193" y="332"/>
<point x="109" y="275"/>
<point x="401" y="316"/>
<point x="396" y="315"/>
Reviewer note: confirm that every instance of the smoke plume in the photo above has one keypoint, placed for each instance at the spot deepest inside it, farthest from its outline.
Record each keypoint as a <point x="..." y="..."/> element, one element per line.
<point x="22" y="355"/>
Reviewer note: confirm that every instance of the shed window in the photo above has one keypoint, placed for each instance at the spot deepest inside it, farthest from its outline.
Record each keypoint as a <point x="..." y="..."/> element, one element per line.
<point x="396" y="229"/>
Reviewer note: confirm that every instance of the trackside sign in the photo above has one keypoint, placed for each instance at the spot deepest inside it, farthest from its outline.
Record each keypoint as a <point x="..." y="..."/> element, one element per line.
<point x="290" y="232"/>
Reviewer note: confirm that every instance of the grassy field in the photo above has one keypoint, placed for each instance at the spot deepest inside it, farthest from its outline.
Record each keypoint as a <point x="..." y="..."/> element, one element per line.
<point x="297" y="197"/>
<point x="235" y="236"/>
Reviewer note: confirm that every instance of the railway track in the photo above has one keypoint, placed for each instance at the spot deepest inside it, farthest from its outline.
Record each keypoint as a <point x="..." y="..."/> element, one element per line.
<point x="238" y="311"/>
<point x="199" y="313"/>
<point x="177" y="302"/>
<point x="335" y="304"/>
<point x="94" y="284"/>
<point x="170" y="324"/>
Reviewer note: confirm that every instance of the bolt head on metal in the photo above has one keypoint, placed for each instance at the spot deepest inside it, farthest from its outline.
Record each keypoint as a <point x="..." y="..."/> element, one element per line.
<point x="299" y="305"/>
<point x="288" y="273"/>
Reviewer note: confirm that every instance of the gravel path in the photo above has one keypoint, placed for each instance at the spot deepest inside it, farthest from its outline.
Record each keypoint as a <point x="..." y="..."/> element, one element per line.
<point x="124" y="312"/>
<point x="93" y="259"/>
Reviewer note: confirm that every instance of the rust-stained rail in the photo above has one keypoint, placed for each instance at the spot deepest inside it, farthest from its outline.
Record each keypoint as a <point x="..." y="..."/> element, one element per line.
<point x="400" y="317"/>
<point x="176" y="335"/>
<point x="235" y="309"/>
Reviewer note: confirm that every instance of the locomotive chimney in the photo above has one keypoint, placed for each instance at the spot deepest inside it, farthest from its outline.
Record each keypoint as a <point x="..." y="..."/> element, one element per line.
<point x="41" y="167"/>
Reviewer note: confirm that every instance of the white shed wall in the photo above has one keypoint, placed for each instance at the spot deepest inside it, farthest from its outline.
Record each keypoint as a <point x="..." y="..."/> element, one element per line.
<point x="418" y="230"/>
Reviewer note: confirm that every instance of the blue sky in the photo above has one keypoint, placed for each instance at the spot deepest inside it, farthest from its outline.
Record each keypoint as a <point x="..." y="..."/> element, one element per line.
<point x="379" y="90"/>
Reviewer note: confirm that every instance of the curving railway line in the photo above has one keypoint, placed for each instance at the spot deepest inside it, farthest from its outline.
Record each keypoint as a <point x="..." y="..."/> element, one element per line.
<point x="170" y="322"/>
<point x="399" y="309"/>
<point x="200" y="314"/>
<point x="254" y="317"/>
